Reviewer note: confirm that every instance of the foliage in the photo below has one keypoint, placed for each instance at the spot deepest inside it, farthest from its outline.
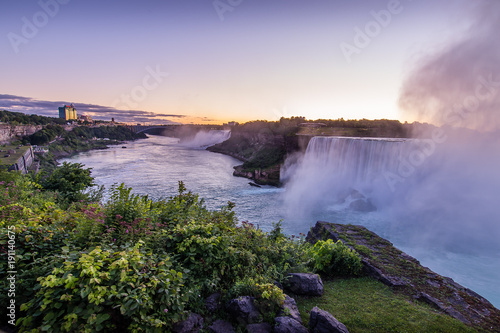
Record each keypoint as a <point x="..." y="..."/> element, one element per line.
<point x="212" y="250"/>
<point x="69" y="180"/>
<point x="265" y="157"/>
<point x="15" y="118"/>
<point x="45" y="135"/>
<point x="108" y="289"/>
<point x="138" y="264"/>
<point x="335" y="258"/>
<point x="269" y="298"/>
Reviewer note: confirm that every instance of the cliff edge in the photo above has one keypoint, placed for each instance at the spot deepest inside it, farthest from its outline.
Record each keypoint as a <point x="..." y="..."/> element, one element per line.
<point x="404" y="274"/>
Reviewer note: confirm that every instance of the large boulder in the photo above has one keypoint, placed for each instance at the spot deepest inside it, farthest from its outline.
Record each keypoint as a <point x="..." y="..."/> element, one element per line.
<point x="290" y="309"/>
<point x="288" y="325"/>
<point x="221" y="326"/>
<point x="191" y="325"/>
<point x="243" y="310"/>
<point x="259" y="328"/>
<point x="212" y="303"/>
<point x="362" y="205"/>
<point x="321" y="321"/>
<point x="304" y="284"/>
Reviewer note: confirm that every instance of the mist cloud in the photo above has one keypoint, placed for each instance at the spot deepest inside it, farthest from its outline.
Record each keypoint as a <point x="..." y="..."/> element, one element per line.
<point x="452" y="197"/>
<point x="460" y="85"/>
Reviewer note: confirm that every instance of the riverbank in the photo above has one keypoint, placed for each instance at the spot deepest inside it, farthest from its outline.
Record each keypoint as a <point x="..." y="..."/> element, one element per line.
<point x="82" y="139"/>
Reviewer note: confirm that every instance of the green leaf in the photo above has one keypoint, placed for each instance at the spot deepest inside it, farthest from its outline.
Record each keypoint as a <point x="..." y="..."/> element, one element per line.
<point x="102" y="317"/>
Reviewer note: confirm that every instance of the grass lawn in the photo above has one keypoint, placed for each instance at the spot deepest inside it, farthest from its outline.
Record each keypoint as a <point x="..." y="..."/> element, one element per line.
<point x="13" y="157"/>
<point x="367" y="305"/>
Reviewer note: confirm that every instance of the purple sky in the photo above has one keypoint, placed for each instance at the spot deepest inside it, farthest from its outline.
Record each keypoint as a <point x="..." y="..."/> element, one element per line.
<point x="214" y="61"/>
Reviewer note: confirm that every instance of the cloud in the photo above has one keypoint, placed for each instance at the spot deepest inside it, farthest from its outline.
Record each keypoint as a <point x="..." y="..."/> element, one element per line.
<point x="99" y="112"/>
<point x="460" y="85"/>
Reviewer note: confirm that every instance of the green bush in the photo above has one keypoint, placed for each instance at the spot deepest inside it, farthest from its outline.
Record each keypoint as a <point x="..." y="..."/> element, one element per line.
<point x="269" y="298"/>
<point x="335" y="258"/>
<point x="108" y="290"/>
<point x="87" y="289"/>
<point x="69" y="181"/>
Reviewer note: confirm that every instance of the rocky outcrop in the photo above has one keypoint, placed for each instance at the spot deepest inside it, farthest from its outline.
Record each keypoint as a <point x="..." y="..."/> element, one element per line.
<point x="290" y="309"/>
<point x="243" y="310"/>
<point x="9" y="133"/>
<point x="262" y="150"/>
<point x="362" y="205"/>
<point x="288" y="325"/>
<point x="212" y="302"/>
<point x="259" y="328"/>
<point x="304" y="284"/>
<point x="382" y="261"/>
<point x="321" y="321"/>
<point x="193" y="324"/>
<point x="221" y="326"/>
<point x="268" y="176"/>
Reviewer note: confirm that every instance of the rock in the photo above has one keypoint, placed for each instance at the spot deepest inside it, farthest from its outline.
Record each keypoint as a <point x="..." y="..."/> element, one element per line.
<point x="212" y="302"/>
<point x="361" y="205"/>
<point x="322" y="231"/>
<point x="259" y="328"/>
<point x="374" y="272"/>
<point x="254" y="185"/>
<point x="191" y="325"/>
<point x="457" y="315"/>
<point x="355" y="194"/>
<point x="243" y="310"/>
<point x="277" y="284"/>
<point x="423" y="297"/>
<point x="221" y="326"/>
<point x="321" y="321"/>
<point x="288" y="325"/>
<point x="290" y="309"/>
<point x="433" y="283"/>
<point x="304" y="284"/>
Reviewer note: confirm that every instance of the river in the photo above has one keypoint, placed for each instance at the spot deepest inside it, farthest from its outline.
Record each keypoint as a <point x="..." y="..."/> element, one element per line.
<point x="154" y="166"/>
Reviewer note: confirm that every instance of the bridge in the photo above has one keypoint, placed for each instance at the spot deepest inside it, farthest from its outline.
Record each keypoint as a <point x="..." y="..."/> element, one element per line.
<point x="175" y="130"/>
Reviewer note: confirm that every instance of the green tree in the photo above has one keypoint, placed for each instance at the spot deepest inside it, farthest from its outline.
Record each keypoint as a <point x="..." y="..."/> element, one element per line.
<point x="69" y="180"/>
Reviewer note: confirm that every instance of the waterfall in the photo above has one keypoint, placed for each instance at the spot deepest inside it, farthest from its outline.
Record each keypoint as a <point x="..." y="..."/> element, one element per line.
<point x="344" y="170"/>
<point x="436" y="198"/>
<point x="204" y="139"/>
<point x="439" y="190"/>
<point x="355" y="161"/>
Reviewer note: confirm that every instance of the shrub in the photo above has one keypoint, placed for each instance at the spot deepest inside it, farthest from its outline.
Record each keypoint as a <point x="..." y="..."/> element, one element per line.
<point x="108" y="290"/>
<point x="335" y="258"/>
<point x="269" y="298"/>
<point x="69" y="181"/>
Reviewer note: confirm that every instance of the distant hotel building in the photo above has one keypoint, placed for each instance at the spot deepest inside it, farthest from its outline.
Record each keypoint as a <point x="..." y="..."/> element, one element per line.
<point x="68" y="112"/>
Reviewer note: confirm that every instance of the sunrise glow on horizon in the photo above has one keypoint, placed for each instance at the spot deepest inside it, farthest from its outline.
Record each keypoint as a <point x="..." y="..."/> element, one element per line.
<point x="218" y="61"/>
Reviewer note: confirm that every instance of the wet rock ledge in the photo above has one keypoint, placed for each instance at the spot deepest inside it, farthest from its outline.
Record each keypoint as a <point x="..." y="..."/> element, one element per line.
<point x="404" y="274"/>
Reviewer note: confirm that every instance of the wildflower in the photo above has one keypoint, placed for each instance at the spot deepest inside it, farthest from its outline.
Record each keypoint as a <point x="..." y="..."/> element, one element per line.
<point x="165" y="310"/>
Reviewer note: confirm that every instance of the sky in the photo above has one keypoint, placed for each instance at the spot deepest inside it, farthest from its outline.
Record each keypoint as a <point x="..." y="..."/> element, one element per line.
<point x="203" y="61"/>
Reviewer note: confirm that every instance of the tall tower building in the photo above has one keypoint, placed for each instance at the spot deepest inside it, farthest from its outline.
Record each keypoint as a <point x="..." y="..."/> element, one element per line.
<point x="68" y="112"/>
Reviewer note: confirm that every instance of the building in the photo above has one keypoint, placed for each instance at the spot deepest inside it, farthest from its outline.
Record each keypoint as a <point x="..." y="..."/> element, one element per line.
<point x="68" y="112"/>
<point x="84" y="118"/>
